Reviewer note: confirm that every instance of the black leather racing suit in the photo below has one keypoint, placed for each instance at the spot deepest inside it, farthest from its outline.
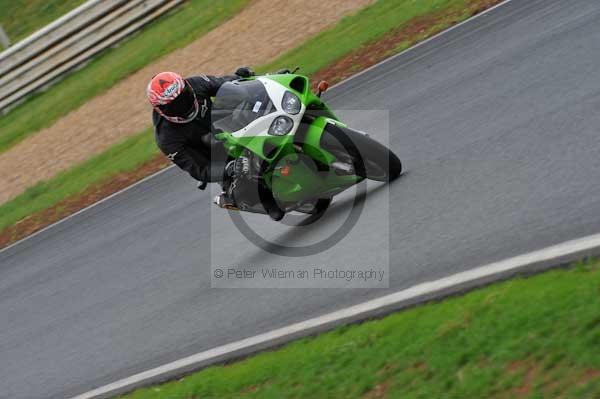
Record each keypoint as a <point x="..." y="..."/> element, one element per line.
<point x="189" y="145"/>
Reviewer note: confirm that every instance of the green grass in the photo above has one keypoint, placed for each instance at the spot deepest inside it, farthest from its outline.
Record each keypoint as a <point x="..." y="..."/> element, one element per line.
<point x="481" y="345"/>
<point x="358" y="29"/>
<point x="172" y="31"/>
<point x="20" y="18"/>
<point x="125" y="156"/>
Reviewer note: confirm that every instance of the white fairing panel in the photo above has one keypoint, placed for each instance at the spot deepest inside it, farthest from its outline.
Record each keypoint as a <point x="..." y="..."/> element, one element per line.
<point x="260" y="126"/>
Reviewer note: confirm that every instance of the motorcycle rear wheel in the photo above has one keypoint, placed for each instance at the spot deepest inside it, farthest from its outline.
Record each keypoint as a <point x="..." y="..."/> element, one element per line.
<point x="319" y="206"/>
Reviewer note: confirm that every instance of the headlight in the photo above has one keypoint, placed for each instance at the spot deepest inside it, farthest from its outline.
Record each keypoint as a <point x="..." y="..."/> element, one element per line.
<point x="281" y="126"/>
<point x="291" y="103"/>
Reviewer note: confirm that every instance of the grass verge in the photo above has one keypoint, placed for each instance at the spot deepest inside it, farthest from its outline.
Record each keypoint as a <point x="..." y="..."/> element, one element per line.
<point x="20" y="18"/>
<point x="536" y="337"/>
<point x="50" y="201"/>
<point x="162" y="36"/>
<point x="125" y="156"/>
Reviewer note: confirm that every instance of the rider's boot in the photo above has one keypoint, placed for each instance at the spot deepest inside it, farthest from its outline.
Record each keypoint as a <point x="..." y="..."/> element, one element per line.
<point x="233" y="170"/>
<point x="223" y="200"/>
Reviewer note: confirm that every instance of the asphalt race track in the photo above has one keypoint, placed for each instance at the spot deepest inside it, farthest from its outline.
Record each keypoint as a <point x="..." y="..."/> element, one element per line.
<point x="497" y="123"/>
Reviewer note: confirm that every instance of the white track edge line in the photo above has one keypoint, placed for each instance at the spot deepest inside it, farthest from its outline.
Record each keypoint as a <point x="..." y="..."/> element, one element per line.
<point x="422" y="43"/>
<point x="364" y="309"/>
<point x="332" y="87"/>
<point x="87" y="208"/>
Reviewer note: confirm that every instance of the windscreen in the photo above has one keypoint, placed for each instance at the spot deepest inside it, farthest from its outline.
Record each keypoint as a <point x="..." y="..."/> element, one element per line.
<point x="237" y="104"/>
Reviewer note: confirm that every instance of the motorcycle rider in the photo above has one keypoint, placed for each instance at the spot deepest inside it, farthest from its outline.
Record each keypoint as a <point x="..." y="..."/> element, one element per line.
<point x="182" y="126"/>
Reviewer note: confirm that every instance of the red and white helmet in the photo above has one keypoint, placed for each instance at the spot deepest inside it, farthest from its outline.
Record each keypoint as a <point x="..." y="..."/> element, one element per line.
<point x="173" y="97"/>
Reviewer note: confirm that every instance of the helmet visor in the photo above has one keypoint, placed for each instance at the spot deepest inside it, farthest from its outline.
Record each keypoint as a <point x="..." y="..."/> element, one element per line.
<point x="183" y="106"/>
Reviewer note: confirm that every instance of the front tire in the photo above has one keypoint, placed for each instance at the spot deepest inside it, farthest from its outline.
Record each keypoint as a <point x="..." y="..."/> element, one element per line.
<point x="380" y="163"/>
<point x="371" y="159"/>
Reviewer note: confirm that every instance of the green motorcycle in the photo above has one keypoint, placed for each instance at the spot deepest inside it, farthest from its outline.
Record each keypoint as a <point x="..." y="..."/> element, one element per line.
<point x="293" y="144"/>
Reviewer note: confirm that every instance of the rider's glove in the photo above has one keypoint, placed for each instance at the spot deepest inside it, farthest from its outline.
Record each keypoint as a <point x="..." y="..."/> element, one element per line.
<point x="244" y="72"/>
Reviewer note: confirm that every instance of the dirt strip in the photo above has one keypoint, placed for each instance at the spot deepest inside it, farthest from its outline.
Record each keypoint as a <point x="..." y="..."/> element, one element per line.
<point x="357" y="60"/>
<point x="256" y="35"/>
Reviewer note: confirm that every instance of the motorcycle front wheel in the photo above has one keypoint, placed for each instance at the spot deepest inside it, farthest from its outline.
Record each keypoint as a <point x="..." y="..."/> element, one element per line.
<point x="370" y="159"/>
